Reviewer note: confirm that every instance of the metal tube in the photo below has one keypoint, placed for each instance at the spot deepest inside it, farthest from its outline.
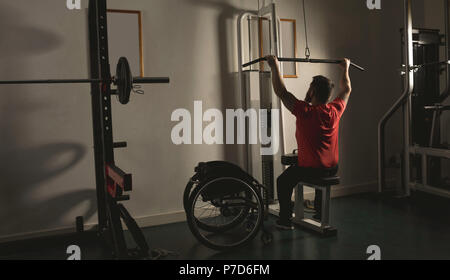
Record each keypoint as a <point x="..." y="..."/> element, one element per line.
<point x="304" y="60"/>
<point x="446" y="92"/>
<point x="277" y="101"/>
<point x="408" y="106"/>
<point x="432" y="152"/>
<point x="447" y="58"/>
<point x="406" y="144"/>
<point x="62" y="81"/>
<point x="136" y="80"/>
<point x="433" y="128"/>
<point x="408" y="87"/>
<point x="273" y="14"/>
<point x="245" y="99"/>
<point x="438" y="107"/>
<point x="424" y="170"/>
<point x="249" y="38"/>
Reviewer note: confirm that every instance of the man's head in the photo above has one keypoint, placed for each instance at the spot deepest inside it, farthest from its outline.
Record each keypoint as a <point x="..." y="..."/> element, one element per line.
<point x="320" y="90"/>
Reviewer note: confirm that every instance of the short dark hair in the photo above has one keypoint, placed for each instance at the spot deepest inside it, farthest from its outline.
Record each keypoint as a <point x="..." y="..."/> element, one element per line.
<point x="322" y="88"/>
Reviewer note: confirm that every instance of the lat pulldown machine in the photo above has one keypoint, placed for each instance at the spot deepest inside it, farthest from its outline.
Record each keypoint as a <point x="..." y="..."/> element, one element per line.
<point x="256" y="87"/>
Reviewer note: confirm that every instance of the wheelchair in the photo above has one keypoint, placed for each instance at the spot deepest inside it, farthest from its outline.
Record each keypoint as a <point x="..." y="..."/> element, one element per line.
<point x="225" y="206"/>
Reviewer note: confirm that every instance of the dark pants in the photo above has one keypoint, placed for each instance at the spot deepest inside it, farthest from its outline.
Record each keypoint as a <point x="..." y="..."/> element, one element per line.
<point x="290" y="178"/>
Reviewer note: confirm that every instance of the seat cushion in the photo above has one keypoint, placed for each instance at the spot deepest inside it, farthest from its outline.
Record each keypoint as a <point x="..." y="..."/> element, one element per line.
<point x="326" y="181"/>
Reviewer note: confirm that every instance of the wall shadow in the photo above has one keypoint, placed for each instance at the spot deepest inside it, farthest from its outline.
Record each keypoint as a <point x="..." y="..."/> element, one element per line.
<point x="229" y="88"/>
<point x="23" y="39"/>
<point x="24" y="171"/>
<point x="25" y="165"/>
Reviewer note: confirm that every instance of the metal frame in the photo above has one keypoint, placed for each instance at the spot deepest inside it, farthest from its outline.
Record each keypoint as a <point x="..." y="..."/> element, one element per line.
<point x="245" y="99"/>
<point x="437" y="113"/>
<point x="108" y="215"/>
<point x="404" y="102"/>
<point x="261" y="21"/>
<point x="425" y="153"/>
<point x="111" y="181"/>
<point x="323" y="227"/>
<point x="269" y="12"/>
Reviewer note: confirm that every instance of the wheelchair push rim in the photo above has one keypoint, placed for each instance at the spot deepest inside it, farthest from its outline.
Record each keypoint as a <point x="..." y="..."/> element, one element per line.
<point x="229" y="233"/>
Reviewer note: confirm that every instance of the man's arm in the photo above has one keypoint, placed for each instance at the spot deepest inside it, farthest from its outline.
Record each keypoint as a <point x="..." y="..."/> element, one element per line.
<point x="288" y="99"/>
<point x="346" y="85"/>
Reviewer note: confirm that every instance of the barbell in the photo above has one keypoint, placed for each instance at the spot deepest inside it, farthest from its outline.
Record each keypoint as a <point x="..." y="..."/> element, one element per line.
<point x="304" y="60"/>
<point x="123" y="79"/>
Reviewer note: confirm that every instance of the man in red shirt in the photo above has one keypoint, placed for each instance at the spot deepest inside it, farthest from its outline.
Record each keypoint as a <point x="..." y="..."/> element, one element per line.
<point x="317" y="134"/>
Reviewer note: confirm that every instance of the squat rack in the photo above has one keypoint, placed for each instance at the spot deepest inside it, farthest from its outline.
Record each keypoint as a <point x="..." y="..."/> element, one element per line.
<point x="111" y="181"/>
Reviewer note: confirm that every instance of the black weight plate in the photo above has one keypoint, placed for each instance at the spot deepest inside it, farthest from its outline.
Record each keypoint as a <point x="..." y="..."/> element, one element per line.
<point x="124" y="80"/>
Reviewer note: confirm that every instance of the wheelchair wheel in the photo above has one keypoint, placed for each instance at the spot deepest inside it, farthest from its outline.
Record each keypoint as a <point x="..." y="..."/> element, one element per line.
<point x="235" y="214"/>
<point x="226" y="221"/>
<point x="186" y="195"/>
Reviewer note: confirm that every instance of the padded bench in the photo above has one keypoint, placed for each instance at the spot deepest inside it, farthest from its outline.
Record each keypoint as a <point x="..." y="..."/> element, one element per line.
<point x="324" y="184"/>
<point x="323" y="227"/>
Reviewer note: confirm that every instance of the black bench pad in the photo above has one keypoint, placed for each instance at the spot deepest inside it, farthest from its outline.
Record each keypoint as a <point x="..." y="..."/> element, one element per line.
<point x="328" y="181"/>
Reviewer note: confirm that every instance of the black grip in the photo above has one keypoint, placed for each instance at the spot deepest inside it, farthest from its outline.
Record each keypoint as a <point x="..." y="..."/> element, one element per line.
<point x="254" y="61"/>
<point x="120" y="144"/>
<point x="151" y="80"/>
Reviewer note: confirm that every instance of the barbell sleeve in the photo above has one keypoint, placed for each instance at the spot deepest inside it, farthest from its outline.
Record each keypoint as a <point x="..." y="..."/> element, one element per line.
<point x="151" y="80"/>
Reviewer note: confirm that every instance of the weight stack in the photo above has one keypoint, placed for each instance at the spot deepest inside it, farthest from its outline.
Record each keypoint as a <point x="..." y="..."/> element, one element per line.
<point x="259" y="95"/>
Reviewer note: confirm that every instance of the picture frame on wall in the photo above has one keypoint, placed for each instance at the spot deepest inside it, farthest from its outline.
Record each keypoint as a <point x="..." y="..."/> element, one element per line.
<point x="288" y="32"/>
<point x="126" y="25"/>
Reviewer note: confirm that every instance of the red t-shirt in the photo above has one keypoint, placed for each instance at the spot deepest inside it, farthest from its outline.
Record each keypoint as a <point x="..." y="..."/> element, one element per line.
<point x="318" y="132"/>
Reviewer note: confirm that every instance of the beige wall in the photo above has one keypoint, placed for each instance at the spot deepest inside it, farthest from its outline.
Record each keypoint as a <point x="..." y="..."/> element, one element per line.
<point x="46" y="135"/>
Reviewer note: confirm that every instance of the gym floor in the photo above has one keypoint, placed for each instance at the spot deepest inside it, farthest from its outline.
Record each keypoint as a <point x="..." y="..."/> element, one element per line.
<point x="404" y="228"/>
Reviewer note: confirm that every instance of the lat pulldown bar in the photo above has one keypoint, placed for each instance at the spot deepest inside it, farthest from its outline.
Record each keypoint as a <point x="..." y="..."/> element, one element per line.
<point x="304" y="60"/>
